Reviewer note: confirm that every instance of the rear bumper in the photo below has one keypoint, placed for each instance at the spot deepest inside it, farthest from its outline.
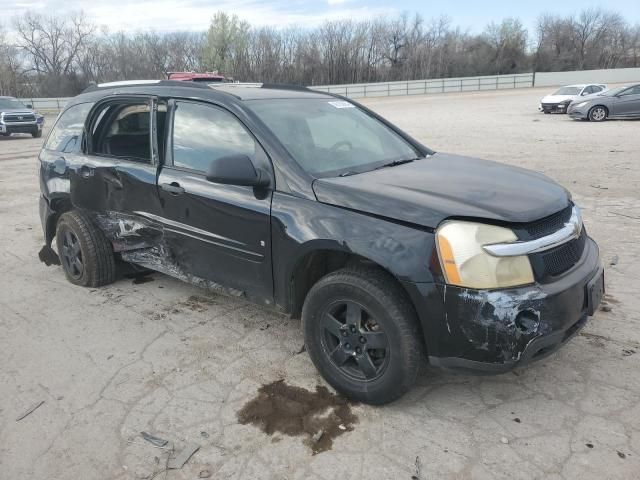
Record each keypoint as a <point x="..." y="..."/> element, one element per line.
<point x="47" y="215"/>
<point x="493" y="331"/>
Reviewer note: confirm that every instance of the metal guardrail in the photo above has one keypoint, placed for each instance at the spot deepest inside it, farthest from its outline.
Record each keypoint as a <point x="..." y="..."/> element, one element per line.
<point x="46" y="105"/>
<point x="424" y="87"/>
<point x="363" y="90"/>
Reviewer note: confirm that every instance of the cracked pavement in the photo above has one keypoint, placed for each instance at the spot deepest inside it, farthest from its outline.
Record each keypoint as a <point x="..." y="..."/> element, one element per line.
<point x="179" y="362"/>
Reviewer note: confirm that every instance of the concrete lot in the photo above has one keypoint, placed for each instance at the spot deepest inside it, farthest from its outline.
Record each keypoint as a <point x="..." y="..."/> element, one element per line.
<point x="173" y="360"/>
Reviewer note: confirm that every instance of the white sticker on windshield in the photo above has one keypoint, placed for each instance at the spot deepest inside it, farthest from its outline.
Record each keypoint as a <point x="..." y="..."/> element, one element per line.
<point x="342" y="104"/>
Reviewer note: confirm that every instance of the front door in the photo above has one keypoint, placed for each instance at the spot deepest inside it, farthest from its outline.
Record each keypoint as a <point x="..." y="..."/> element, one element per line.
<point x="219" y="233"/>
<point x="628" y="103"/>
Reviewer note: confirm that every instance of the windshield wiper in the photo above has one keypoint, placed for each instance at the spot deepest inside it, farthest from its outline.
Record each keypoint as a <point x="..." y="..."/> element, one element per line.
<point x="348" y="174"/>
<point x="395" y="163"/>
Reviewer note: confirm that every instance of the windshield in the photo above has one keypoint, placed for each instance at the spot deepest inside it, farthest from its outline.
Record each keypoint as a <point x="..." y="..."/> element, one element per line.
<point x="11" y="104"/>
<point x="568" y="91"/>
<point x="329" y="137"/>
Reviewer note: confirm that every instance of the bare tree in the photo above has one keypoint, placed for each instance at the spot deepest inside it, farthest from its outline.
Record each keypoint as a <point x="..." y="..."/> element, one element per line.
<point x="61" y="55"/>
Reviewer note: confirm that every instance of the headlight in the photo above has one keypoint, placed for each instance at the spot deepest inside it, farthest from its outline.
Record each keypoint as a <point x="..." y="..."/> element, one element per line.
<point x="466" y="264"/>
<point x="581" y="104"/>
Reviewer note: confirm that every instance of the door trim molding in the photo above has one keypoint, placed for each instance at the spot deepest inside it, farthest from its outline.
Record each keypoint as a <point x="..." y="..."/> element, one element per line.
<point x="189" y="231"/>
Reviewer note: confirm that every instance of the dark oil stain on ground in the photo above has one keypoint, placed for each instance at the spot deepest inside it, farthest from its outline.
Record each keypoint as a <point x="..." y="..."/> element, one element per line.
<point x="48" y="256"/>
<point x="320" y="416"/>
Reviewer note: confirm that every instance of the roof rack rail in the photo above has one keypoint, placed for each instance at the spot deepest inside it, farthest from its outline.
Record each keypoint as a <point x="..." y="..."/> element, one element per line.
<point x="284" y="86"/>
<point x="135" y="83"/>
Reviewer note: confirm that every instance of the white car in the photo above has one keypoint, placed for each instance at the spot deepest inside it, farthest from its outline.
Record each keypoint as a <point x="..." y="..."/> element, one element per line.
<point x="559" y="101"/>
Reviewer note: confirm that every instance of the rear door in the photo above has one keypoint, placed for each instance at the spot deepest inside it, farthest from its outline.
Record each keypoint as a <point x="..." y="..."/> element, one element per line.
<point x="219" y="233"/>
<point x="116" y="176"/>
<point x="628" y="102"/>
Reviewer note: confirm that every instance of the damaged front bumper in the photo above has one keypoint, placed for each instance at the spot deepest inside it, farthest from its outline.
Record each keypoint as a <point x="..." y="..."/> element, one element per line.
<point x="492" y="331"/>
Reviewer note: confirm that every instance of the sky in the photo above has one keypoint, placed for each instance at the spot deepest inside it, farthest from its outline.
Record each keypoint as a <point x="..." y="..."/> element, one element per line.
<point x="194" y="15"/>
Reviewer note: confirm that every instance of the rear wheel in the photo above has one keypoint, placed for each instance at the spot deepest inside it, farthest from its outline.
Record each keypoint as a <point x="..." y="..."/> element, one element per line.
<point x="598" y="113"/>
<point x="361" y="333"/>
<point x="85" y="253"/>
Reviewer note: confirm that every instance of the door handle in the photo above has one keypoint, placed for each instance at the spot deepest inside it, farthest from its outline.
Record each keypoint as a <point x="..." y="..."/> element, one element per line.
<point x="86" y="171"/>
<point x="173" y="188"/>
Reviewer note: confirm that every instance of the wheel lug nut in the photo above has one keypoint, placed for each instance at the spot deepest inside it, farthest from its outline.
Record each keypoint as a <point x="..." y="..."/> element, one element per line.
<point x="363" y="340"/>
<point x="347" y="345"/>
<point x="344" y="333"/>
<point x="353" y="329"/>
<point x="358" y="350"/>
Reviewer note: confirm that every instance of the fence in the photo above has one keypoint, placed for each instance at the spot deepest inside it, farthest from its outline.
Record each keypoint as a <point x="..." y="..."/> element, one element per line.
<point x="46" y="105"/>
<point x="422" y="87"/>
<point x="440" y="85"/>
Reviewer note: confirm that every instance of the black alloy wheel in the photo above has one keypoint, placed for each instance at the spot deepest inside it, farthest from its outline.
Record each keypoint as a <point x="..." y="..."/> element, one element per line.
<point x="85" y="253"/>
<point x="353" y="340"/>
<point x="362" y="334"/>
<point x="71" y="254"/>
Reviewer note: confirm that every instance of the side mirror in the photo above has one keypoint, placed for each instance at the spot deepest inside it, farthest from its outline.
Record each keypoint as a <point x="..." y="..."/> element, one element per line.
<point x="237" y="170"/>
<point x="29" y="106"/>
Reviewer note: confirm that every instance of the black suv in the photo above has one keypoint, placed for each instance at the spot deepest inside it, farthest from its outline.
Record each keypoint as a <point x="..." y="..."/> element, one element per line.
<point x="16" y="117"/>
<point x="313" y="205"/>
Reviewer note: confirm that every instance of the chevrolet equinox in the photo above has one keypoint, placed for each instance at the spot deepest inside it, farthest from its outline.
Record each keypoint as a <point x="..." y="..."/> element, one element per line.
<point x="313" y="205"/>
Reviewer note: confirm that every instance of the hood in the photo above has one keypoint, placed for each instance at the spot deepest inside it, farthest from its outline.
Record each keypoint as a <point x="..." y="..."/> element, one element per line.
<point x="427" y="191"/>
<point x="559" y="98"/>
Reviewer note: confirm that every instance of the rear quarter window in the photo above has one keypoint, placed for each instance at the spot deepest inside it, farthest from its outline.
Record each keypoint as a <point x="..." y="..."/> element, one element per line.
<point x="66" y="135"/>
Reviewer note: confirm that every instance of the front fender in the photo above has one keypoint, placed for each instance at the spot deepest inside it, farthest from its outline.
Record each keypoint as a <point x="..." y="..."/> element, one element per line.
<point x="300" y="226"/>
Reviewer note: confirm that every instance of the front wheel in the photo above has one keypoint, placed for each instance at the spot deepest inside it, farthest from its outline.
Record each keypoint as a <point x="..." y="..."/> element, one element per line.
<point x="36" y="134"/>
<point x="362" y="334"/>
<point x="598" y="114"/>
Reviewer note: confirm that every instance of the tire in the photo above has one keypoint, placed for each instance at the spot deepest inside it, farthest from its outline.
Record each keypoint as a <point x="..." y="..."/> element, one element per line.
<point x="372" y="302"/>
<point x="5" y="134"/>
<point x="36" y="134"/>
<point x="598" y="113"/>
<point x="85" y="253"/>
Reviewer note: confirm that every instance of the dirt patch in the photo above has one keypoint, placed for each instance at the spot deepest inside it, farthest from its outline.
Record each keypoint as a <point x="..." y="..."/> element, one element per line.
<point x="48" y="256"/>
<point x="320" y="416"/>
<point x="198" y="303"/>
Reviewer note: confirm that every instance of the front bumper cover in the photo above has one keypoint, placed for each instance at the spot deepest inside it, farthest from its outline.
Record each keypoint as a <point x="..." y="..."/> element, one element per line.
<point x="554" y="107"/>
<point x="492" y="331"/>
<point x="581" y="113"/>
<point x="23" y="127"/>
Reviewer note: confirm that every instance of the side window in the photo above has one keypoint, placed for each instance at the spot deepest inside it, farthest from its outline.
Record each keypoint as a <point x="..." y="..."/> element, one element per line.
<point x="122" y="130"/>
<point x="589" y="90"/>
<point x="66" y="136"/>
<point x="596" y="89"/>
<point x="202" y="133"/>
